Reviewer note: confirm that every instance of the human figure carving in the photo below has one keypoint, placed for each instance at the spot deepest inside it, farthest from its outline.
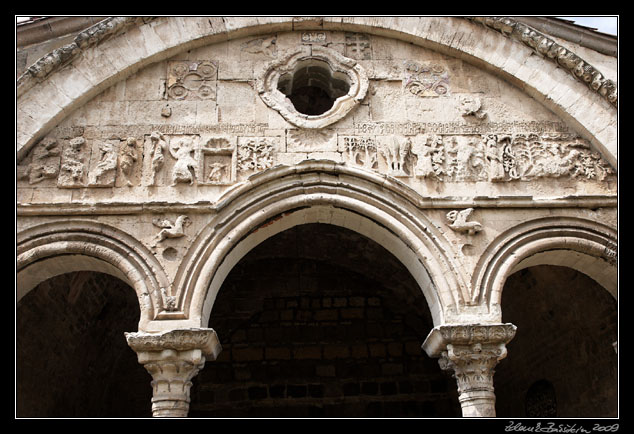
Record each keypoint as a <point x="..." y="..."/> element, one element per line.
<point x="185" y="166"/>
<point x="128" y="159"/>
<point x="159" y="144"/>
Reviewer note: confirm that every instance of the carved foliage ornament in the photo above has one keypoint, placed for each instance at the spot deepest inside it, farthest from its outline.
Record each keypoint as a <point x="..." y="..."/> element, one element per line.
<point x="341" y="69"/>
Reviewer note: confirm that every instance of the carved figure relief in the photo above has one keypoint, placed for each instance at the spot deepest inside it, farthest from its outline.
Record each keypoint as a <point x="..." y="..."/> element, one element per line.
<point x="458" y="221"/>
<point x="73" y="166"/>
<point x="184" y="170"/>
<point x="128" y="158"/>
<point x="191" y="79"/>
<point x="426" y="80"/>
<point x="431" y="157"/>
<point x="217" y="161"/>
<point x="508" y="157"/>
<point x="397" y="153"/>
<point x="266" y="46"/>
<point x="171" y="229"/>
<point x="158" y="147"/>
<point x="45" y="161"/>
<point x="471" y="106"/>
<point x="105" y="170"/>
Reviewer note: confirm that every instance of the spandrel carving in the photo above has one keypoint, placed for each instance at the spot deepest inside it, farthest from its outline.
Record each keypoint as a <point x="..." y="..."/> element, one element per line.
<point x="170" y="229"/>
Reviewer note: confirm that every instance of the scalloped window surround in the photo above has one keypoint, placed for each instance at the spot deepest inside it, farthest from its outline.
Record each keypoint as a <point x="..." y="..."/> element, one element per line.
<point x="313" y="87"/>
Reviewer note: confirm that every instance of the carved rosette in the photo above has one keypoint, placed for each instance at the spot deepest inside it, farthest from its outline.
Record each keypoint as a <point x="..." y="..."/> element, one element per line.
<point x="471" y="352"/>
<point x="173" y="358"/>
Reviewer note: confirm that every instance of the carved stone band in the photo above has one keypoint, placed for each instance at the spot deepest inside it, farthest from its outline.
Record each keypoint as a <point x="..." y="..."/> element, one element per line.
<point x="173" y="358"/>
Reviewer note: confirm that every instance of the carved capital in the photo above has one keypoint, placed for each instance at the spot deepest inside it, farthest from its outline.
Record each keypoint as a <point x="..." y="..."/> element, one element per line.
<point x="173" y="358"/>
<point x="471" y="352"/>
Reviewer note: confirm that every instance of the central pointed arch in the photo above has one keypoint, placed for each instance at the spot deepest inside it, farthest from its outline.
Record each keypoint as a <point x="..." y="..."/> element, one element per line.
<point x="373" y="205"/>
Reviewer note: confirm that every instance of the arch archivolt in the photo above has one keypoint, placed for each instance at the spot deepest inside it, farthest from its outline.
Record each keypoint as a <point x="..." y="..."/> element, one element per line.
<point x="320" y="192"/>
<point x="63" y="246"/>
<point x="578" y="243"/>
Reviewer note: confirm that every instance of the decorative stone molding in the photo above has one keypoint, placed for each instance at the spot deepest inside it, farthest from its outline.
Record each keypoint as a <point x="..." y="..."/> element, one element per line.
<point x="173" y="358"/>
<point x="342" y="71"/>
<point x="84" y="40"/>
<point x="546" y="47"/>
<point x="471" y="351"/>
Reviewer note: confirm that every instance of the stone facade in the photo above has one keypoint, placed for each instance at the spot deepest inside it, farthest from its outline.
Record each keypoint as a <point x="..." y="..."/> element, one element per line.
<point x="162" y="151"/>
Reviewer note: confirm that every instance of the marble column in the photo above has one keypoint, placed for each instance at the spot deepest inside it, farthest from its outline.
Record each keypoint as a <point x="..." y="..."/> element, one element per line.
<point x="173" y="358"/>
<point x="471" y="352"/>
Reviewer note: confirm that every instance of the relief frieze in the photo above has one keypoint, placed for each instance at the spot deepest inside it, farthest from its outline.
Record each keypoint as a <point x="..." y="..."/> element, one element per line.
<point x="184" y="155"/>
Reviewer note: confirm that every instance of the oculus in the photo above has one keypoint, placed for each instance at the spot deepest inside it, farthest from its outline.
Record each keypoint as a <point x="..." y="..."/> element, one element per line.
<point x="313" y="87"/>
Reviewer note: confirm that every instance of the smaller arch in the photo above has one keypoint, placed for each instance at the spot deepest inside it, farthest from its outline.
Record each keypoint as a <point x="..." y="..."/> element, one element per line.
<point x="584" y="245"/>
<point x="55" y="248"/>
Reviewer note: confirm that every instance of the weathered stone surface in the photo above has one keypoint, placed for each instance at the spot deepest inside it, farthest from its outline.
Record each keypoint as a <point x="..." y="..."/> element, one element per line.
<point x="166" y="149"/>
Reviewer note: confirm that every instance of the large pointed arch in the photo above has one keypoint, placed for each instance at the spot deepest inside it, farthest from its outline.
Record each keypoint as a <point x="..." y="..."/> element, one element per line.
<point x="118" y="47"/>
<point x="373" y="205"/>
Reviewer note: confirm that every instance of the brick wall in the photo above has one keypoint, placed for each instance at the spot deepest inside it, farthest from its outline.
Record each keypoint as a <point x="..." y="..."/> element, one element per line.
<point x="307" y="333"/>
<point x="566" y="324"/>
<point x="71" y="353"/>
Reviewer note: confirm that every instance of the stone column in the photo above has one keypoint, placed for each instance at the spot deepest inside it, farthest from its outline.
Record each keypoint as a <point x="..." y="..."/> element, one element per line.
<point x="471" y="351"/>
<point x="173" y="358"/>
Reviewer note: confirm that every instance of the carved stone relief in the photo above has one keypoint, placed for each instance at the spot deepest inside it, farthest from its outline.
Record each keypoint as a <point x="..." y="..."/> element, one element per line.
<point x="169" y="229"/>
<point x="358" y="46"/>
<point x="44" y="164"/>
<point x="74" y="164"/>
<point x="508" y="157"/>
<point x="104" y="166"/>
<point x="266" y="46"/>
<point x="426" y="79"/>
<point x="255" y="154"/>
<point x="191" y="79"/>
<point x="457" y="220"/>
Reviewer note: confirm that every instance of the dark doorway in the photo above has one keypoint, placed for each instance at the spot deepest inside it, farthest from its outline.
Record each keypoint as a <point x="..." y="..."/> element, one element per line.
<point x="72" y="359"/>
<point x="561" y="362"/>
<point x="319" y="321"/>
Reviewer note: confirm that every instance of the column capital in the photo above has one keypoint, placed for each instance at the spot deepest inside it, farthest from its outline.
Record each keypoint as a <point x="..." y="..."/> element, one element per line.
<point x="466" y="334"/>
<point x="173" y="358"/>
<point x="471" y="351"/>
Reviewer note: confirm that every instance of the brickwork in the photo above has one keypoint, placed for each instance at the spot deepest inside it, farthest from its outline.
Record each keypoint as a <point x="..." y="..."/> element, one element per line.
<point x="320" y="339"/>
<point x="69" y="337"/>
<point x="566" y="325"/>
